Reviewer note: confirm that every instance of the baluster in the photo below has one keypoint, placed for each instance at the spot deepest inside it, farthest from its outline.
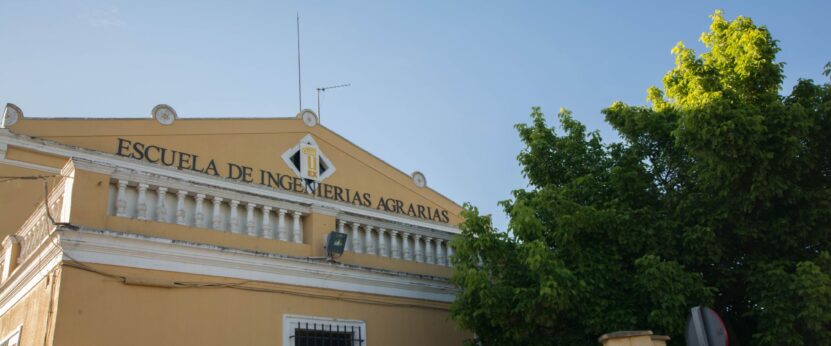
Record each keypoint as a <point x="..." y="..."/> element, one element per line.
<point x="405" y="242"/>
<point x="217" y="214"/>
<point x="141" y="203"/>
<point x="180" y="206"/>
<point x="268" y="233"/>
<point x="370" y="245"/>
<point x="199" y="214"/>
<point x="341" y="225"/>
<point x="356" y="240"/>
<point x="282" y="230"/>
<point x="296" y="228"/>
<point x="442" y="260"/>
<point x="449" y="255"/>
<point x="396" y="252"/>
<point x="121" y="199"/>
<point x="161" y="210"/>
<point x="419" y="252"/>
<point x="431" y="254"/>
<point x="250" y="223"/>
<point x="382" y="243"/>
<point x="234" y="223"/>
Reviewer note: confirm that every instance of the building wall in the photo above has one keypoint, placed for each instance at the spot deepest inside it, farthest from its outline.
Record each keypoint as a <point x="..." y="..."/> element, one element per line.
<point x="102" y="310"/>
<point x="257" y="143"/>
<point x="90" y="194"/>
<point x="19" y="198"/>
<point x="32" y="313"/>
<point x="99" y="310"/>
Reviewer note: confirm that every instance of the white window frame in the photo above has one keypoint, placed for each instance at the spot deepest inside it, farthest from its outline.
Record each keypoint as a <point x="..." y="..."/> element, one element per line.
<point x="291" y="321"/>
<point x="13" y="338"/>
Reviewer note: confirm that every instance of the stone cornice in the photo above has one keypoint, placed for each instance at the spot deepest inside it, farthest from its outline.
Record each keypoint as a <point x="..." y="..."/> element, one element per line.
<point x="138" y="251"/>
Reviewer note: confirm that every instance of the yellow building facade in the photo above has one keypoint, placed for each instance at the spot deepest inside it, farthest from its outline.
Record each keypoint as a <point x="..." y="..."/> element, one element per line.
<point x="168" y="231"/>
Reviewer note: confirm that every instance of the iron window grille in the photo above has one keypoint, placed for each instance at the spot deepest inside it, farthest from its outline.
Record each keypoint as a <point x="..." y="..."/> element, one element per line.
<point x="322" y="331"/>
<point x="326" y="334"/>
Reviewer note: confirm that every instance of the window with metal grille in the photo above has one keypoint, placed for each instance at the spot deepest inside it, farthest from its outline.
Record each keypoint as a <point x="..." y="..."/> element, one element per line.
<point x="326" y="335"/>
<point x="323" y="331"/>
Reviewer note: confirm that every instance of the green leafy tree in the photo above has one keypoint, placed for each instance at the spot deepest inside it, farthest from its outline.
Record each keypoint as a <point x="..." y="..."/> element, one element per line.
<point x="719" y="194"/>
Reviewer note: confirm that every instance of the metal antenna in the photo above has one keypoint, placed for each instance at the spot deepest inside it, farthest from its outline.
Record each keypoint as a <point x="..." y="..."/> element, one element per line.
<point x="324" y="89"/>
<point x="299" y="88"/>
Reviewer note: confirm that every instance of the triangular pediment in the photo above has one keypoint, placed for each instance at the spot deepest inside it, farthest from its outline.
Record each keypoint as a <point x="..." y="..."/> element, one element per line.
<point x="261" y="151"/>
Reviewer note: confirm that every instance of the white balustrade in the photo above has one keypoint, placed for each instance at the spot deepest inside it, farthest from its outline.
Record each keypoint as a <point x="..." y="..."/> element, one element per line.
<point x="121" y="199"/>
<point x="250" y="223"/>
<point x="131" y="201"/>
<point x="161" y="209"/>
<point x="217" y="214"/>
<point x="234" y="222"/>
<point x="341" y="229"/>
<point x="268" y="233"/>
<point x="370" y="244"/>
<point x="419" y="251"/>
<point x="408" y="252"/>
<point x="296" y="228"/>
<point x="180" y="207"/>
<point x="282" y="230"/>
<point x="199" y="217"/>
<point x="382" y="243"/>
<point x="396" y="252"/>
<point x="141" y="203"/>
<point x="356" y="240"/>
<point x="431" y="258"/>
<point x="449" y="255"/>
<point x="442" y="260"/>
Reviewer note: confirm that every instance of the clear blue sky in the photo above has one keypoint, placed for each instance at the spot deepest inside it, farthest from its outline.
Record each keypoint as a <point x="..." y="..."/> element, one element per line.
<point x="436" y="85"/>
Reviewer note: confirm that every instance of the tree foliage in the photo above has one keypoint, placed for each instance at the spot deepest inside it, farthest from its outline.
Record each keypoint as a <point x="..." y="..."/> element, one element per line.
<point x="719" y="194"/>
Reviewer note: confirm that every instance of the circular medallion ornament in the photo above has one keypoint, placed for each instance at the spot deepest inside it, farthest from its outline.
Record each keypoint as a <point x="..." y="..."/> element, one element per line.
<point x="309" y="117"/>
<point x="164" y="114"/>
<point x="419" y="179"/>
<point x="11" y="115"/>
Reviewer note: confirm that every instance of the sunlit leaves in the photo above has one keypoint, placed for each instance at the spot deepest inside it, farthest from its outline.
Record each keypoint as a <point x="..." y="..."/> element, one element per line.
<point x="719" y="194"/>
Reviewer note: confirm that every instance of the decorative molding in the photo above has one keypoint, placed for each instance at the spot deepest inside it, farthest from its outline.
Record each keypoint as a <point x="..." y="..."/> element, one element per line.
<point x="323" y="210"/>
<point x="138" y="251"/>
<point x="309" y="117"/>
<point x="11" y="115"/>
<point x="401" y="227"/>
<point x="164" y="114"/>
<point x="419" y="179"/>
<point x="29" y="273"/>
<point x="23" y="164"/>
<point x="107" y="163"/>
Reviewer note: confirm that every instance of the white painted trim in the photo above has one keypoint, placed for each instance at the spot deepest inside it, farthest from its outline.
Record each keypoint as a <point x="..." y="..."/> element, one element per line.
<point x="403" y="228"/>
<point x="137" y="251"/>
<point x="177" y="184"/>
<point x="28" y="274"/>
<point x="109" y="162"/>
<point x="292" y="320"/>
<point x="28" y="165"/>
